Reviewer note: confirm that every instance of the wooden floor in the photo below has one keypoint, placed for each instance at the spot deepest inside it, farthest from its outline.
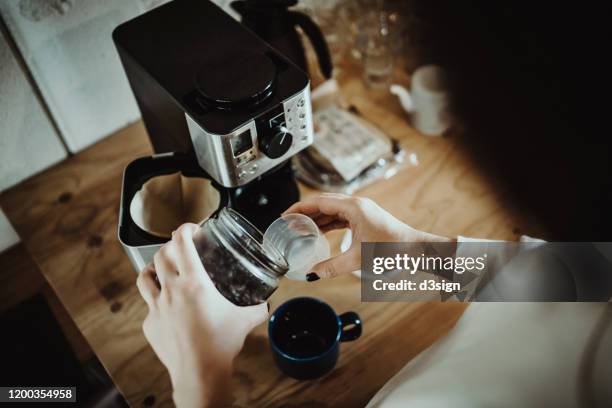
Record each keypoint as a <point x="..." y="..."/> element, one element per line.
<point x="67" y="219"/>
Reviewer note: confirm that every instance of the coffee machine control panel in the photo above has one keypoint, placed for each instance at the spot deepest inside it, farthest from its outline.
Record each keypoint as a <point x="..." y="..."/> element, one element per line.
<point x="257" y="146"/>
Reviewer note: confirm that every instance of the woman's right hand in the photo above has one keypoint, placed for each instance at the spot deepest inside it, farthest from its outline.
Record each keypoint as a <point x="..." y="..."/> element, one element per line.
<point x="367" y="221"/>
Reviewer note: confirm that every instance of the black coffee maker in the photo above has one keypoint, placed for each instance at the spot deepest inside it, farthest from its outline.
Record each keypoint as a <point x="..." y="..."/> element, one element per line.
<point x="273" y="22"/>
<point x="225" y="113"/>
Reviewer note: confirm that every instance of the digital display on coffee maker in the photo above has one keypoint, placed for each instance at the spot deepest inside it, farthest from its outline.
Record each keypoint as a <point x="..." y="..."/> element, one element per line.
<point x="241" y="143"/>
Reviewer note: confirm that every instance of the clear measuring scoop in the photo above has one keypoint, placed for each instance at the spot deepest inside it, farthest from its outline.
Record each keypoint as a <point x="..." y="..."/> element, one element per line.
<point x="300" y="241"/>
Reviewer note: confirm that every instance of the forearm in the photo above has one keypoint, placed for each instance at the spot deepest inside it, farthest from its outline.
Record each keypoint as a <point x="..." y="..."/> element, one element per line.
<point x="211" y="387"/>
<point x="413" y="235"/>
<point x="423" y="236"/>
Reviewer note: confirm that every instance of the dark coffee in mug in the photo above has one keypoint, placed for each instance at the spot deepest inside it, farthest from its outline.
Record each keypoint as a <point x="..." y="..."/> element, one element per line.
<point x="305" y="343"/>
<point x="306" y="329"/>
<point x="305" y="334"/>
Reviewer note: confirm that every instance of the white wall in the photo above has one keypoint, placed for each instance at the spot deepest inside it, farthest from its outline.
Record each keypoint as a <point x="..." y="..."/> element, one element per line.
<point x="71" y="56"/>
<point x="28" y="142"/>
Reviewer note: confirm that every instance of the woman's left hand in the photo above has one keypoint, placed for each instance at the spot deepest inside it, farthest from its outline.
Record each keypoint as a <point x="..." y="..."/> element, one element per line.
<point x="194" y="330"/>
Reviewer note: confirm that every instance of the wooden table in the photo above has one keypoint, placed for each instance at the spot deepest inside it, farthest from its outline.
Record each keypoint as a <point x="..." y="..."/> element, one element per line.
<point x="67" y="218"/>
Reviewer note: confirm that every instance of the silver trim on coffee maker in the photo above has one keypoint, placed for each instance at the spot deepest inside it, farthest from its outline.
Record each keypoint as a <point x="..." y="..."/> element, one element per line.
<point x="141" y="256"/>
<point x="214" y="152"/>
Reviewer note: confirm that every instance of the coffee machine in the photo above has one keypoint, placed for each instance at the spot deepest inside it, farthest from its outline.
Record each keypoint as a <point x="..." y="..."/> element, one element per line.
<point x="219" y="104"/>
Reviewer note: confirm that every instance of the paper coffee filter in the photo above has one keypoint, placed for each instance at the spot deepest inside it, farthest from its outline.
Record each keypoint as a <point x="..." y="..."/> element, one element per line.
<point x="165" y="202"/>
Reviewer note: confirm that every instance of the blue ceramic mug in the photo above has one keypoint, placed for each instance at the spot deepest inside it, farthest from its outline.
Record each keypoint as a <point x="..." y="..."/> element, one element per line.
<point x="305" y="335"/>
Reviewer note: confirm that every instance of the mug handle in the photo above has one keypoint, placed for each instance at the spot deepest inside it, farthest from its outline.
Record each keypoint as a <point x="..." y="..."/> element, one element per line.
<point x="348" y="319"/>
<point x="405" y="97"/>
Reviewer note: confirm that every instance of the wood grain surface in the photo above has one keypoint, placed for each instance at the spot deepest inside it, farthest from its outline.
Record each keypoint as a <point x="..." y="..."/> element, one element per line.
<point x="67" y="218"/>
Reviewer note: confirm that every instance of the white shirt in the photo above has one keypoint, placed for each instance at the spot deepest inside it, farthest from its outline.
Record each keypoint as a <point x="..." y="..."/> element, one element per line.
<point x="512" y="355"/>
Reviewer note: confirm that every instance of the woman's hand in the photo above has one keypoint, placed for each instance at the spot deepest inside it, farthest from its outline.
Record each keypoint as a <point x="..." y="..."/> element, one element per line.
<point x="368" y="223"/>
<point x="194" y="330"/>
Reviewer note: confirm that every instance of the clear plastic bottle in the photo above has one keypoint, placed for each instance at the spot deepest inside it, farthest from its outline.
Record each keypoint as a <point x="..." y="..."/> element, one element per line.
<point x="232" y="252"/>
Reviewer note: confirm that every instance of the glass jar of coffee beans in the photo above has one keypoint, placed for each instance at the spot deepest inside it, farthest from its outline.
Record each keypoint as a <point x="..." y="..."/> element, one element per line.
<point x="232" y="252"/>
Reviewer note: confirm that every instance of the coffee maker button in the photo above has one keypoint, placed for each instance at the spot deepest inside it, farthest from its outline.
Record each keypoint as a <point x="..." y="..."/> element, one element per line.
<point x="302" y="115"/>
<point x="276" y="144"/>
<point x="253" y="169"/>
<point x="241" y="174"/>
<point x="303" y="127"/>
<point x="300" y="103"/>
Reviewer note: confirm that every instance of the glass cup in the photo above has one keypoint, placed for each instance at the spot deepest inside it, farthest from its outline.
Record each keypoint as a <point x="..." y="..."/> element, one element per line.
<point x="299" y="240"/>
<point x="377" y="66"/>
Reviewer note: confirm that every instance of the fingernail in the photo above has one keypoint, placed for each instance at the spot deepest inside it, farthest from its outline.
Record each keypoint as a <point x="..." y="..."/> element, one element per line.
<point x="311" y="277"/>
